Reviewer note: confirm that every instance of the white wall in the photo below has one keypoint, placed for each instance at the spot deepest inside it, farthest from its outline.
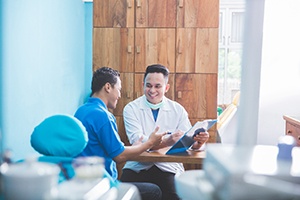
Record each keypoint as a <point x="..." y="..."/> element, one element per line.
<point x="279" y="90"/>
<point x="280" y="71"/>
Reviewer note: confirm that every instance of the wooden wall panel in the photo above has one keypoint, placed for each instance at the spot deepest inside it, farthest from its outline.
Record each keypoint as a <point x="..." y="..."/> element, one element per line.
<point x="116" y="13"/>
<point x="195" y="94"/>
<point x="156" y="13"/>
<point x="113" y="47"/>
<point x="197" y="50"/>
<point x="185" y="50"/>
<point x="154" y="46"/>
<point x="163" y="13"/>
<point x="124" y="139"/>
<point x="121" y="130"/>
<point x="127" y="94"/>
<point x="207" y="50"/>
<point x="211" y="95"/>
<point x="138" y="84"/>
<point x="198" y="13"/>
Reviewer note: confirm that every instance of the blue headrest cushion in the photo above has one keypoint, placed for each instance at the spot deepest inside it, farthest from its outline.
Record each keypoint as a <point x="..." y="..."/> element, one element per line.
<point x="59" y="135"/>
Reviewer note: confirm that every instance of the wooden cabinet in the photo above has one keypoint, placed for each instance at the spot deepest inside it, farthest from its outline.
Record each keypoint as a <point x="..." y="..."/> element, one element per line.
<point x="154" y="45"/>
<point x="129" y="35"/>
<point x="113" y="47"/>
<point x="197" y="50"/>
<point x="113" y="13"/>
<point x="293" y="127"/>
<point x="198" y="13"/>
<point x="155" y="13"/>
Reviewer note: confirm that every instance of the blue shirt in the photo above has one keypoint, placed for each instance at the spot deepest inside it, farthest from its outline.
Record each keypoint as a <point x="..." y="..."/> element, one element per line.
<point x="104" y="140"/>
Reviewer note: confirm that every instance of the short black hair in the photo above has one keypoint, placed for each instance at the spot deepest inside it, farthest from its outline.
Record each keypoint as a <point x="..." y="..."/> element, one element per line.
<point x="157" y="68"/>
<point x="102" y="76"/>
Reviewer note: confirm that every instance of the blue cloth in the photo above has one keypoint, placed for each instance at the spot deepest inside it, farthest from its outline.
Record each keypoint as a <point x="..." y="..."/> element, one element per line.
<point x="59" y="135"/>
<point x="65" y="164"/>
<point x="155" y="113"/>
<point x="104" y="140"/>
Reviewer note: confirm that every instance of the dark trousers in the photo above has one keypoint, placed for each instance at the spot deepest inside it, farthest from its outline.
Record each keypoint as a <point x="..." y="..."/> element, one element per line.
<point x="165" y="180"/>
<point x="148" y="191"/>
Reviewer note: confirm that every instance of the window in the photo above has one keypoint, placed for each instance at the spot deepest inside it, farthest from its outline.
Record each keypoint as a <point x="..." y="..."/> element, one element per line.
<point x="230" y="49"/>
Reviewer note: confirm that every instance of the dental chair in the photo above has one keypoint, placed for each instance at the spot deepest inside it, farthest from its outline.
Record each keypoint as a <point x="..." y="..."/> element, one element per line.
<point x="59" y="139"/>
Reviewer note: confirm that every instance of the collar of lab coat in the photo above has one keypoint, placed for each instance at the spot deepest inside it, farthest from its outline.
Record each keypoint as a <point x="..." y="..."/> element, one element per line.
<point x="143" y="105"/>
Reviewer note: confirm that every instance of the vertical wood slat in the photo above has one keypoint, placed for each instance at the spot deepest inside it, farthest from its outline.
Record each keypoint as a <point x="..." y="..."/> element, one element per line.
<point x="211" y="95"/>
<point x="141" y="13"/>
<point x="130" y="18"/>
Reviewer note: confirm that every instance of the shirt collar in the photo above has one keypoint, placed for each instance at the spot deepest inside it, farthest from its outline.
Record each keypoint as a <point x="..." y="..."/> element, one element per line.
<point x="97" y="101"/>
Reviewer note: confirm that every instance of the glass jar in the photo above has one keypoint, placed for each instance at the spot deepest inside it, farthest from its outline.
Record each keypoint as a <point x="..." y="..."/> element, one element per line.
<point x="88" y="168"/>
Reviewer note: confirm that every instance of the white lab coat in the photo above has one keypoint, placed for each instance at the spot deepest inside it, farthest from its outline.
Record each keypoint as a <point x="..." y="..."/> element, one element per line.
<point x="139" y="121"/>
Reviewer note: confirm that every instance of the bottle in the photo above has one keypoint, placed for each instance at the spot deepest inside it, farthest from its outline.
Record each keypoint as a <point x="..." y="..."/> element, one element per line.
<point x="285" y="146"/>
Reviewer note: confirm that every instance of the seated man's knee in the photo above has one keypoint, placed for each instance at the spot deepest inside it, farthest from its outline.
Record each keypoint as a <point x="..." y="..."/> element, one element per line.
<point x="148" y="191"/>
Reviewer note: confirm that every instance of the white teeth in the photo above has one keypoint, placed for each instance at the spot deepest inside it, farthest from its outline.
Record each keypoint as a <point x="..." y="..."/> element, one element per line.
<point x="152" y="95"/>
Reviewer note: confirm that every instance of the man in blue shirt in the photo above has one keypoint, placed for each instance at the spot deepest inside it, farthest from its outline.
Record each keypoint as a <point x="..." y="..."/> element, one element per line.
<point x="104" y="140"/>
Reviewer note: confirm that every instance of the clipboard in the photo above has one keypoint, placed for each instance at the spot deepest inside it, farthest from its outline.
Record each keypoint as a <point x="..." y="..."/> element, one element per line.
<point x="186" y="141"/>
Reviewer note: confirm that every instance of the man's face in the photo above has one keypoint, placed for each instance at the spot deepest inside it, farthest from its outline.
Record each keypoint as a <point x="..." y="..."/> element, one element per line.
<point x="114" y="95"/>
<point x="155" y="87"/>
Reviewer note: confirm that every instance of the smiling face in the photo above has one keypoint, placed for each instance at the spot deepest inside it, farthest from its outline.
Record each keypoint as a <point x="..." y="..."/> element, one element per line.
<point x="114" y="94"/>
<point x="155" y="86"/>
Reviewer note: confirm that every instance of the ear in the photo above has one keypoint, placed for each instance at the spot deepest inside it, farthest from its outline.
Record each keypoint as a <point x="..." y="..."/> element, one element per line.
<point x="107" y="87"/>
<point x="167" y="88"/>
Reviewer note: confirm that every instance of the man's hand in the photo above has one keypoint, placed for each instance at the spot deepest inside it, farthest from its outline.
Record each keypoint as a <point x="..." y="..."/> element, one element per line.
<point x="156" y="138"/>
<point x="200" y="139"/>
<point x="172" y="138"/>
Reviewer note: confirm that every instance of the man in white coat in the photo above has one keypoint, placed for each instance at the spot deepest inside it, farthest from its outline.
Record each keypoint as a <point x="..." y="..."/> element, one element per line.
<point x="142" y="115"/>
